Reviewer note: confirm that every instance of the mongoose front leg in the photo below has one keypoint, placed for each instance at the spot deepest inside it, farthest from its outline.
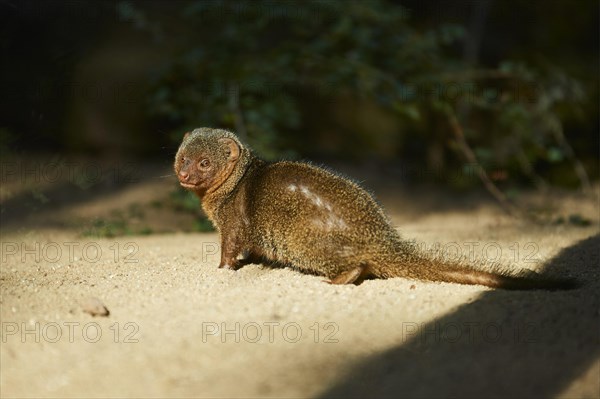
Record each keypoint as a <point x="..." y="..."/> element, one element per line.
<point x="355" y="275"/>
<point x="229" y="251"/>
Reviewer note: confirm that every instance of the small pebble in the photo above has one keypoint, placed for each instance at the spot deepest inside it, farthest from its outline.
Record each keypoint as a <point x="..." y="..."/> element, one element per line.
<point x="95" y="307"/>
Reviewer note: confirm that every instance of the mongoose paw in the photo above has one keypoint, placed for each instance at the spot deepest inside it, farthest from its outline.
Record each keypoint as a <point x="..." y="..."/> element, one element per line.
<point x="352" y="276"/>
<point x="226" y="266"/>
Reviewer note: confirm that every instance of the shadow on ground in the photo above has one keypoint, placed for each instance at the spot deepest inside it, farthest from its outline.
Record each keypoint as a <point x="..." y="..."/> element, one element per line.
<point x="35" y="204"/>
<point x="500" y="345"/>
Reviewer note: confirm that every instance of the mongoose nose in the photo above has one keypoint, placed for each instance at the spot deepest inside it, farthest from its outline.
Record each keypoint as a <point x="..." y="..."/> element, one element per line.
<point x="183" y="175"/>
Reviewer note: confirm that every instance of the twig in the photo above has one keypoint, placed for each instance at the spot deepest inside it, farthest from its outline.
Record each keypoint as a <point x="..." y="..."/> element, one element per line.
<point x="559" y="136"/>
<point x="485" y="179"/>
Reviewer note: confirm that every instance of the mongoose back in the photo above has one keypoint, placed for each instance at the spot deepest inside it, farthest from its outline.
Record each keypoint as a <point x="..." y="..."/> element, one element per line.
<point x="299" y="215"/>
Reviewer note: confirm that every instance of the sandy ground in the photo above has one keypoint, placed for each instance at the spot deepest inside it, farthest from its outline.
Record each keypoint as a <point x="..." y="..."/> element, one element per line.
<point x="180" y="327"/>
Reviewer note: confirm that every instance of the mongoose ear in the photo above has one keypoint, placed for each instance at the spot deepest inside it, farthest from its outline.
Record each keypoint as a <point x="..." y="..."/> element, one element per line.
<point x="185" y="136"/>
<point x="234" y="148"/>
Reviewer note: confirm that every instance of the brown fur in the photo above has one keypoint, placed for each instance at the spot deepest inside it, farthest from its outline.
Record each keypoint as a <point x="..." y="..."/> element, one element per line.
<point x="299" y="215"/>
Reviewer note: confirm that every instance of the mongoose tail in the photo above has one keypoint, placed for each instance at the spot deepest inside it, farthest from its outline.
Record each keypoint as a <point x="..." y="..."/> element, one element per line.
<point x="524" y="282"/>
<point x="458" y="274"/>
<point x="421" y="267"/>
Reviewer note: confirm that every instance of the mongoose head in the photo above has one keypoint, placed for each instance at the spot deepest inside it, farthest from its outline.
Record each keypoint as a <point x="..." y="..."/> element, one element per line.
<point x="206" y="159"/>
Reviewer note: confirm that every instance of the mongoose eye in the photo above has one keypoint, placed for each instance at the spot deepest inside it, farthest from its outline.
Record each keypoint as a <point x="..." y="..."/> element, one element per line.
<point x="205" y="163"/>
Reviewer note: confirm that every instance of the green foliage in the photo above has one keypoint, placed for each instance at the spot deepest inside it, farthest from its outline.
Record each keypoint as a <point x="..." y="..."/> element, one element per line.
<point x="248" y="66"/>
<point x="118" y="224"/>
<point x="203" y="225"/>
<point x="185" y="201"/>
<point x="573" y="219"/>
<point x="103" y="228"/>
<point x="256" y="60"/>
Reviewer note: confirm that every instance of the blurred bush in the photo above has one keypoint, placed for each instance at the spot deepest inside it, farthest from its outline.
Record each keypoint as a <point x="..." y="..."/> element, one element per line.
<point x="264" y="68"/>
<point x="430" y="87"/>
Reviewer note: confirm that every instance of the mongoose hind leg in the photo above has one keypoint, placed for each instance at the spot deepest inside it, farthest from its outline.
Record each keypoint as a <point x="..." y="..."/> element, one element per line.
<point x="355" y="275"/>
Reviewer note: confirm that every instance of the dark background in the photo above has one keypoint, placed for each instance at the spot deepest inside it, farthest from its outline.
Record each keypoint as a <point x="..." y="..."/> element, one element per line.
<point x="367" y="82"/>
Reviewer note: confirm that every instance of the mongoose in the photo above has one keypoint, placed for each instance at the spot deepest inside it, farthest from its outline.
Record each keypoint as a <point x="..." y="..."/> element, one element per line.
<point x="299" y="215"/>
